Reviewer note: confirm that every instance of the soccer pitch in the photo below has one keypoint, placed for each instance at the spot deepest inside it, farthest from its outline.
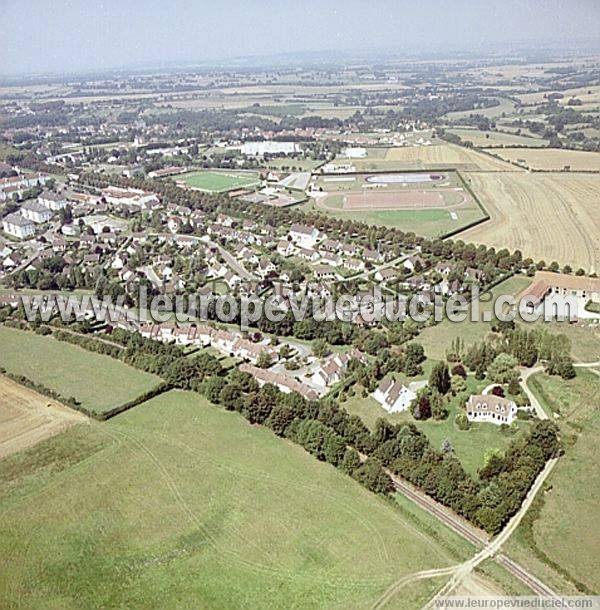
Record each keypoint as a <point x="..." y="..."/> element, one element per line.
<point x="219" y="182"/>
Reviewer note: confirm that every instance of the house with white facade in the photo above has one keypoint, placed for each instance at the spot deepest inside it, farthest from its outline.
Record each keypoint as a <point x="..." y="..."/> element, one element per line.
<point x="490" y="408"/>
<point x="53" y="201"/>
<point x="18" y="226"/>
<point x="393" y="395"/>
<point x="305" y="236"/>
<point x="36" y="212"/>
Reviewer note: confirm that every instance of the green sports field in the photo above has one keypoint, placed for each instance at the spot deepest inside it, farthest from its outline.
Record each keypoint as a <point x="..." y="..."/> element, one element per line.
<point x="219" y="181"/>
<point x="98" y="382"/>
<point x="179" y="504"/>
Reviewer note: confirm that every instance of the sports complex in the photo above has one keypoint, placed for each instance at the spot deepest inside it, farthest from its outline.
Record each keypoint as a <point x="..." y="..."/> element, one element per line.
<point x="430" y="203"/>
<point x="218" y="181"/>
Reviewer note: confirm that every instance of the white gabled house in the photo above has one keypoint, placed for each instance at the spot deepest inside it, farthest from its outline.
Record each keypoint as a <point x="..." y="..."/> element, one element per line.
<point x="490" y="408"/>
<point x="393" y="395"/>
<point x="305" y="236"/>
<point x="18" y="226"/>
<point x="36" y="212"/>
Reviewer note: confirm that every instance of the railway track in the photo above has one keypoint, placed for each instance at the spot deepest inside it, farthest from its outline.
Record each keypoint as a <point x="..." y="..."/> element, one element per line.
<point x="474" y="535"/>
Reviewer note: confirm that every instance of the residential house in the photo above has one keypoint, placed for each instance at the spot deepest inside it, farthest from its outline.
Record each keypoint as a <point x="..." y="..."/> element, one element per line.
<point x="385" y="276"/>
<point x="490" y="408"/>
<point x="354" y="264"/>
<point x="305" y="236"/>
<point x="36" y="212"/>
<point x="334" y="367"/>
<point x="323" y="272"/>
<point x="475" y="275"/>
<point x="308" y="255"/>
<point x="18" y="226"/>
<point x="414" y="262"/>
<point x="53" y="201"/>
<point x="284" y="382"/>
<point x="285" y="248"/>
<point x="266" y="267"/>
<point x="393" y="395"/>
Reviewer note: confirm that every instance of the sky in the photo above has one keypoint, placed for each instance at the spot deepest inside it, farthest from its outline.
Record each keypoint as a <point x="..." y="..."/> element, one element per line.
<point x="62" y="36"/>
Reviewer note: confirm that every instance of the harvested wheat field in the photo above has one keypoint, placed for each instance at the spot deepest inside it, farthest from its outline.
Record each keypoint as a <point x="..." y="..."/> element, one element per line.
<point x="546" y="216"/>
<point x="550" y="159"/>
<point x="447" y="155"/>
<point x="26" y="417"/>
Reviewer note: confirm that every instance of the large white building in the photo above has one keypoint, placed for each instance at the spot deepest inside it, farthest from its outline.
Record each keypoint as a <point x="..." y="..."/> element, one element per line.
<point x="269" y="147"/>
<point x="490" y="408"/>
<point x="305" y="236"/>
<point x="53" y="201"/>
<point x="561" y="295"/>
<point x="36" y="212"/>
<point x="393" y="395"/>
<point x="130" y="197"/>
<point x="18" y="226"/>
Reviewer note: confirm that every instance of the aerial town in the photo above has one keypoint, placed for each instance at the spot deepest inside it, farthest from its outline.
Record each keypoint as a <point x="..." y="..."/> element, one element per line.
<point x="232" y="370"/>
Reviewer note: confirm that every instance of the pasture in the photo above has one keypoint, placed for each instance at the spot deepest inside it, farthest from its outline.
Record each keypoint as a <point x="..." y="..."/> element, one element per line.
<point x="179" y="500"/>
<point x="98" y="382"/>
<point x="427" y="203"/>
<point x="26" y="417"/>
<point x="564" y="526"/>
<point x="446" y="155"/>
<point x="551" y="159"/>
<point x="504" y="106"/>
<point x="438" y="155"/>
<point x="437" y="339"/>
<point x="546" y="216"/>
<point x="213" y="181"/>
<point x="483" y="139"/>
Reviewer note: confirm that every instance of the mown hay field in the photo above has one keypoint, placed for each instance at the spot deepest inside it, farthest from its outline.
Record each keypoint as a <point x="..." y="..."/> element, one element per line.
<point x="26" y="417"/>
<point x="551" y="159"/>
<point x="554" y="216"/>
<point x="177" y="500"/>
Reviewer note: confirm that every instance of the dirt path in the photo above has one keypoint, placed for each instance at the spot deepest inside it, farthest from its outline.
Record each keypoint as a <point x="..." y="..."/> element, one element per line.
<point x="535" y="403"/>
<point x="464" y="570"/>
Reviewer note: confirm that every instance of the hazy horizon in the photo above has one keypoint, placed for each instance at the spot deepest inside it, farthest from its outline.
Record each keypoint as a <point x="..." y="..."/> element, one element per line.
<point x="70" y="36"/>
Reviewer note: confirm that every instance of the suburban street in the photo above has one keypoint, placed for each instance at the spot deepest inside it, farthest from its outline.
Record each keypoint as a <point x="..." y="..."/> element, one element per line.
<point x="232" y="262"/>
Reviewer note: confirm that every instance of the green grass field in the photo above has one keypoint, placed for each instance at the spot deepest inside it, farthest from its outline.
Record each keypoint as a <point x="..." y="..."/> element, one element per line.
<point x="483" y="139"/>
<point x="427" y="222"/>
<point x="565" y="529"/>
<point x="218" y="181"/>
<point x="180" y="504"/>
<point x="469" y="446"/>
<point x="98" y="382"/>
<point x="437" y="339"/>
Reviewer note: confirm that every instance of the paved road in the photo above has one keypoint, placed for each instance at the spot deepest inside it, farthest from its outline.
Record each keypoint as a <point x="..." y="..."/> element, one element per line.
<point x="232" y="262"/>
